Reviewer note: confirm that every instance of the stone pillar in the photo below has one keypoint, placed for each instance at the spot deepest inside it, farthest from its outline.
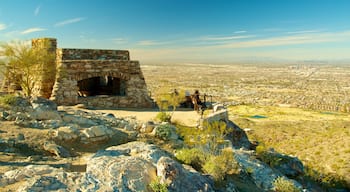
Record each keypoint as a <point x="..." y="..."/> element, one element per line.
<point x="45" y="84"/>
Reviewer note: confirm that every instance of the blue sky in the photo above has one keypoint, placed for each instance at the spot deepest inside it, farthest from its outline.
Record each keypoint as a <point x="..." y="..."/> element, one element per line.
<point x="187" y="31"/>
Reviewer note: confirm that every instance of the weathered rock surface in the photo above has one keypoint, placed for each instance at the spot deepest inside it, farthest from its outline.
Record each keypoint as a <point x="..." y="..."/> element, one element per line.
<point x="180" y="179"/>
<point x="237" y="136"/>
<point x="55" y="149"/>
<point x="44" y="109"/>
<point x="128" y="167"/>
<point x="287" y="165"/>
<point x="261" y="174"/>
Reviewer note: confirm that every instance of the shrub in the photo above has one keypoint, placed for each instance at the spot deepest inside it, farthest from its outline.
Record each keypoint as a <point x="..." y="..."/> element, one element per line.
<point x="194" y="157"/>
<point x="283" y="185"/>
<point x="163" y="116"/>
<point x="220" y="165"/>
<point x="267" y="156"/>
<point x="157" y="186"/>
<point x="163" y="131"/>
<point x="8" y="100"/>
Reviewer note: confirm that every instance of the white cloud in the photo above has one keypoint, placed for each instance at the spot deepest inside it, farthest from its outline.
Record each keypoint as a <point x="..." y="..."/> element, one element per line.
<point x="296" y="39"/>
<point x="69" y="21"/>
<point x="32" y="30"/>
<point x="2" y="26"/>
<point x="225" y="38"/>
<point x="151" y="43"/>
<point x="119" y="40"/>
<point x="231" y="50"/>
<point x="37" y="10"/>
<point x="303" y="32"/>
<point x="237" y="32"/>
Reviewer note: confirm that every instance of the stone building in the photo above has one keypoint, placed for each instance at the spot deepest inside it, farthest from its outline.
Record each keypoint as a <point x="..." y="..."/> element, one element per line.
<point x="97" y="78"/>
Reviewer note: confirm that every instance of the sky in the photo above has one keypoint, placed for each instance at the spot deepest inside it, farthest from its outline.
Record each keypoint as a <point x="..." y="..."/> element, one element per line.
<point x="187" y="31"/>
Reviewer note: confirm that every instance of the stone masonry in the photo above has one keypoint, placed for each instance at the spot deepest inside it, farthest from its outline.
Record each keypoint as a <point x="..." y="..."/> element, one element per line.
<point x="97" y="78"/>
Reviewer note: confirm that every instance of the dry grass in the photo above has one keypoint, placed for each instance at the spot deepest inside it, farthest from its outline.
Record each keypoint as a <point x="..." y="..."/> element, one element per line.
<point x="320" y="139"/>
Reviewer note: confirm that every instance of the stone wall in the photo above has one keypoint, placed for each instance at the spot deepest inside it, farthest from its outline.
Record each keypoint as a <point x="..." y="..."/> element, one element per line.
<point x="93" y="54"/>
<point x="78" y="64"/>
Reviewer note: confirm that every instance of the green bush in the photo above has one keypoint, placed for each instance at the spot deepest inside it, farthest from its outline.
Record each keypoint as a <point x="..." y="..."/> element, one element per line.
<point x="283" y="185"/>
<point x="8" y="100"/>
<point x="220" y="165"/>
<point x="163" y="131"/>
<point x="163" y="116"/>
<point x="267" y="156"/>
<point x="157" y="186"/>
<point x="194" y="157"/>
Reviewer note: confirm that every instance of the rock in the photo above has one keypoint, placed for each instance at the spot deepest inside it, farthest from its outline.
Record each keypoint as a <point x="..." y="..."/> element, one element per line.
<point x="55" y="149"/>
<point x="127" y="167"/>
<point x="20" y="137"/>
<point x="261" y="174"/>
<point x="4" y="115"/>
<point x="44" y="109"/>
<point x="98" y="133"/>
<point x="46" y="178"/>
<point x="78" y="119"/>
<point x="43" y="104"/>
<point x="121" y="173"/>
<point x="29" y="171"/>
<point x="67" y="133"/>
<point x="179" y="179"/>
<point x="109" y="115"/>
<point x="45" y="183"/>
<point x="287" y="165"/>
<point x="21" y="104"/>
<point x="238" y="137"/>
<point x="147" y="127"/>
<point x="139" y="149"/>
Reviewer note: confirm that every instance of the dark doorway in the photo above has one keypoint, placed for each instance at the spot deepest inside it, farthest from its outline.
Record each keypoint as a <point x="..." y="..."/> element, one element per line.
<point x="106" y="85"/>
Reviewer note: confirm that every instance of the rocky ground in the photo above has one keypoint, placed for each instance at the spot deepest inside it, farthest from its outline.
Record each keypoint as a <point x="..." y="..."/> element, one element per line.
<point x="45" y="148"/>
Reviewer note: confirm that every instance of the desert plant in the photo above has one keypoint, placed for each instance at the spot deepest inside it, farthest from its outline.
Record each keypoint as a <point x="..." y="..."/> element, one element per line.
<point x="24" y="66"/>
<point x="194" y="157"/>
<point x="220" y="165"/>
<point x="157" y="186"/>
<point x="166" y="100"/>
<point x="164" y="131"/>
<point x="8" y="100"/>
<point x="163" y="116"/>
<point x="267" y="156"/>
<point x="283" y="185"/>
<point x="212" y="136"/>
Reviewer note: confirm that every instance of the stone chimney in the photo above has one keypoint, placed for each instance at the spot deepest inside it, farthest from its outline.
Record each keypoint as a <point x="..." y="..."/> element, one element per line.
<point x="44" y="87"/>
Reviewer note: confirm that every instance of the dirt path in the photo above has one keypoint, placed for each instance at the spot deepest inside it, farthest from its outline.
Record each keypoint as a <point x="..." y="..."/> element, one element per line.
<point x="185" y="117"/>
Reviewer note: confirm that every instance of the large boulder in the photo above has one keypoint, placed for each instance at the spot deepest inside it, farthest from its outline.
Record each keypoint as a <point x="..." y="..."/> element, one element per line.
<point x="44" y="109"/>
<point x="56" y="150"/>
<point x="261" y="174"/>
<point x="179" y="179"/>
<point x="45" y="178"/>
<point x="66" y="133"/>
<point x="238" y="137"/>
<point x="287" y="165"/>
<point x="133" y="166"/>
<point x="97" y="133"/>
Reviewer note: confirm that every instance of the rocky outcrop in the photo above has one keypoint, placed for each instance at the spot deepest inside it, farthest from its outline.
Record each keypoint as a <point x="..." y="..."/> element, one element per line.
<point x="180" y="179"/>
<point x="128" y="167"/>
<point x="261" y="174"/>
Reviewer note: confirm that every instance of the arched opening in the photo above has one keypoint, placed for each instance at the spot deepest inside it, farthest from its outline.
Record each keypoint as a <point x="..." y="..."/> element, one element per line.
<point x="105" y="85"/>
